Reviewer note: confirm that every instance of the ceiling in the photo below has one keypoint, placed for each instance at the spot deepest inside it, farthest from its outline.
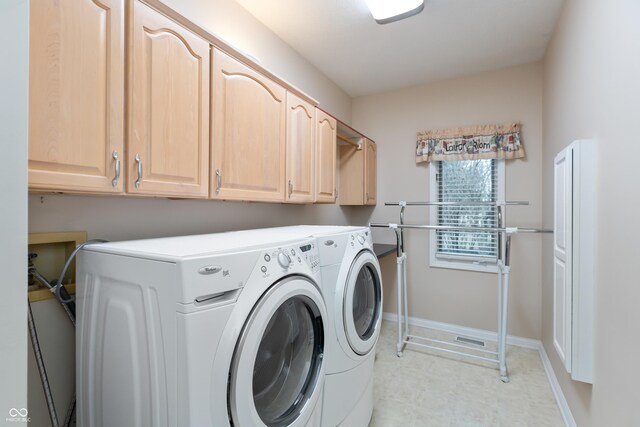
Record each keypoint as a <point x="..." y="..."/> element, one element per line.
<point x="450" y="38"/>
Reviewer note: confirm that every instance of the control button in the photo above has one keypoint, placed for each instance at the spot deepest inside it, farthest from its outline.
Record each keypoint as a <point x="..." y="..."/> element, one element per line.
<point x="293" y="251"/>
<point x="263" y="269"/>
<point x="353" y="237"/>
<point x="284" y="260"/>
<point x="299" y="260"/>
<point x="267" y="257"/>
<point x="361" y="239"/>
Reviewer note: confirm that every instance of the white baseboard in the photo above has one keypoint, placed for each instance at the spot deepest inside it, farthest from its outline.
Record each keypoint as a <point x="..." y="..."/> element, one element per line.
<point x="485" y="335"/>
<point x="481" y="334"/>
<point x="557" y="391"/>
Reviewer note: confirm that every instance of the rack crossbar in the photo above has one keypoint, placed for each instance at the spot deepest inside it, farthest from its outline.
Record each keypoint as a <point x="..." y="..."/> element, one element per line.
<point x="459" y="353"/>
<point x="466" y="347"/>
<point x="458" y="228"/>
<point x="477" y="203"/>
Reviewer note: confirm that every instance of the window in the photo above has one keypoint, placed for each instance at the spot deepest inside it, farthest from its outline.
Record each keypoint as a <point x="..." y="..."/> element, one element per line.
<point x="466" y="181"/>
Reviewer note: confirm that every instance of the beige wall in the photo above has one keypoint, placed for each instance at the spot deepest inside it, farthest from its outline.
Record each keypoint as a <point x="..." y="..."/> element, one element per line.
<point x="591" y="90"/>
<point x="120" y="218"/>
<point x="14" y="49"/>
<point x="231" y="22"/>
<point x="392" y="120"/>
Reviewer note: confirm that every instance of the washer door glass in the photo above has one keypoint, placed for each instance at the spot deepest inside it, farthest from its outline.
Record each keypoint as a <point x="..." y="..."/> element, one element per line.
<point x="288" y="361"/>
<point x="366" y="301"/>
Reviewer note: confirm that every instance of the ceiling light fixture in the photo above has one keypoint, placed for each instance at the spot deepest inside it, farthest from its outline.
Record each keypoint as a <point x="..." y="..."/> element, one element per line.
<point x="386" y="11"/>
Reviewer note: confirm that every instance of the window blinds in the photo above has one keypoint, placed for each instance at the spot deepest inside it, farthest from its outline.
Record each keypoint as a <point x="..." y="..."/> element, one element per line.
<point x="467" y="181"/>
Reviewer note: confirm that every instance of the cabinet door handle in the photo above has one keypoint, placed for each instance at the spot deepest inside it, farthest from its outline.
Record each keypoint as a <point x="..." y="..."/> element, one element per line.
<point x="139" y="161"/>
<point x="219" y="178"/>
<point x="114" y="182"/>
<point x="290" y="188"/>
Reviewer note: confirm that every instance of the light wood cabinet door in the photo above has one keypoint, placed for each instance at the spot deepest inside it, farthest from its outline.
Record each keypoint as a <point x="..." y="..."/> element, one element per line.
<point x="300" y="164"/>
<point x="249" y="133"/>
<point x="326" y="145"/>
<point x="370" y="172"/>
<point x="168" y="145"/>
<point x="351" y="175"/>
<point x="76" y="95"/>
<point x="358" y="180"/>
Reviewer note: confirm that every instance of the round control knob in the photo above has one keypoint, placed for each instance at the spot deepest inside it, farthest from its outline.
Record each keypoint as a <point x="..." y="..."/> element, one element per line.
<point x="284" y="260"/>
<point x="360" y="239"/>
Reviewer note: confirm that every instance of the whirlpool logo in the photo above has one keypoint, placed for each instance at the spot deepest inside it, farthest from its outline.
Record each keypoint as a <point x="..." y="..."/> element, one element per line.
<point x="18" y="416"/>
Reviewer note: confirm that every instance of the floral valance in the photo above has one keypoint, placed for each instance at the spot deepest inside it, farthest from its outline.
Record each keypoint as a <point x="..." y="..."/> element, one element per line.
<point x="471" y="143"/>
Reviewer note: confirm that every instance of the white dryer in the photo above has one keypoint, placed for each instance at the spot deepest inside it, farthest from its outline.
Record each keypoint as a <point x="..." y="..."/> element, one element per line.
<point x="352" y="288"/>
<point x="212" y="330"/>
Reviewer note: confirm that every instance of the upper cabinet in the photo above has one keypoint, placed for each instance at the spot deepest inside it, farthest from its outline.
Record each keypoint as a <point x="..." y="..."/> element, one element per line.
<point x="326" y="143"/>
<point x="168" y="109"/>
<point x="249" y="133"/>
<point x="76" y="95"/>
<point x="358" y="171"/>
<point x="300" y="165"/>
<point x="202" y="120"/>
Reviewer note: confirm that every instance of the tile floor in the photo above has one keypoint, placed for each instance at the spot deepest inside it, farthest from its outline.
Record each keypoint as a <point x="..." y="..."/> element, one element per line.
<point x="423" y="388"/>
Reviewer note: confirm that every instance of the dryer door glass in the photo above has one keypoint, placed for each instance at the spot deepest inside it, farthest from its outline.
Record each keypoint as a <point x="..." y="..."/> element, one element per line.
<point x="366" y="301"/>
<point x="288" y="361"/>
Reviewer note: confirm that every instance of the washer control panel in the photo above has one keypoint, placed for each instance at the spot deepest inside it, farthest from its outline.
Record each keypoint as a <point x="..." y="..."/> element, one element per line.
<point x="284" y="260"/>
<point x="310" y="253"/>
<point x="288" y="258"/>
<point x="359" y="239"/>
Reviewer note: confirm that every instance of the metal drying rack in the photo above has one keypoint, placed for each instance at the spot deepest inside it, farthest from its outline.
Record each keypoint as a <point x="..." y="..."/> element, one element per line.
<point x="503" y="263"/>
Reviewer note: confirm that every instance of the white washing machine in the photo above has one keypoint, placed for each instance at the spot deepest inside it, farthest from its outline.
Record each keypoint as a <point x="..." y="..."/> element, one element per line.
<point x="352" y="288"/>
<point x="211" y="330"/>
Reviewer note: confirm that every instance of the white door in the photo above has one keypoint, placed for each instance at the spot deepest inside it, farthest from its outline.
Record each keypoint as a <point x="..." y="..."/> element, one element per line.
<point x="362" y="304"/>
<point x="562" y="256"/>
<point x="277" y="370"/>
